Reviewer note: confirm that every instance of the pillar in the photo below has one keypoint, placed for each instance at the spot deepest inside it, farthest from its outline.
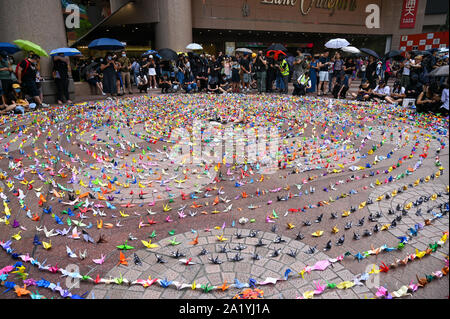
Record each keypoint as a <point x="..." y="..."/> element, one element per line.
<point x="174" y="29"/>
<point x="41" y="22"/>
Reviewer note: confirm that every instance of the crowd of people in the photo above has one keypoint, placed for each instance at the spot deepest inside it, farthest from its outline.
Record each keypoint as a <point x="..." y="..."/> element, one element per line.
<point x="325" y="74"/>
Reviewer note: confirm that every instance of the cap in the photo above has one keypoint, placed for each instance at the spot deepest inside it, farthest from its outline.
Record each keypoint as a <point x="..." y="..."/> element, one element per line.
<point x="16" y="86"/>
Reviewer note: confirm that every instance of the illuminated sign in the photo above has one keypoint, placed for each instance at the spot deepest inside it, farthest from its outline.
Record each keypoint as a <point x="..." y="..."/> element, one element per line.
<point x="307" y="5"/>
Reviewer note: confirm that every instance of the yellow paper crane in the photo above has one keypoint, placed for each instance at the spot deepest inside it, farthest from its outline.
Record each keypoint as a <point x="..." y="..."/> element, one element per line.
<point x="290" y="226"/>
<point x="221" y="238"/>
<point x="149" y="244"/>
<point x="123" y="214"/>
<point x="362" y="205"/>
<point x="17" y="236"/>
<point x="47" y="246"/>
<point x="317" y="233"/>
<point x="335" y="230"/>
<point x="166" y="208"/>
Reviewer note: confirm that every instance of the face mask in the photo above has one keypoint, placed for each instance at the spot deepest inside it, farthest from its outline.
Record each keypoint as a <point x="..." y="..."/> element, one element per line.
<point x="109" y="58"/>
<point x="17" y="90"/>
<point x="124" y="55"/>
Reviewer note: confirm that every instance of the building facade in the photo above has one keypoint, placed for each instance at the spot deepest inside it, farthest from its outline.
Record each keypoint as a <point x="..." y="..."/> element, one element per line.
<point x="222" y="25"/>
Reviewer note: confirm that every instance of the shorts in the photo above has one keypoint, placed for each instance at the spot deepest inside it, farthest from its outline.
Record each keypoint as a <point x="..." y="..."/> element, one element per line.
<point x="323" y="76"/>
<point x="246" y="77"/>
<point x="93" y="81"/>
<point x="30" y="88"/>
<point x="151" y="71"/>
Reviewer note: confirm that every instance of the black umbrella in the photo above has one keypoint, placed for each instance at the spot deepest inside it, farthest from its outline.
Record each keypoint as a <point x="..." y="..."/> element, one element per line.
<point x="277" y="47"/>
<point x="393" y="53"/>
<point x="168" y="54"/>
<point x="370" y="52"/>
<point x="418" y="52"/>
<point x="442" y="71"/>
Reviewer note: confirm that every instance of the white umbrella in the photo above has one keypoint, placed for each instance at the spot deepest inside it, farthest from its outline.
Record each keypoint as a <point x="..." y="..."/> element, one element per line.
<point x="337" y="43"/>
<point x="244" y="50"/>
<point x="194" y="46"/>
<point x="351" y="49"/>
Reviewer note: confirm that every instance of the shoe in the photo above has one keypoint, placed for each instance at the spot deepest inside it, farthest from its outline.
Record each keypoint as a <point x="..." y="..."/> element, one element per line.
<point x="44" y="105"/>
<point x="103" y="93"/>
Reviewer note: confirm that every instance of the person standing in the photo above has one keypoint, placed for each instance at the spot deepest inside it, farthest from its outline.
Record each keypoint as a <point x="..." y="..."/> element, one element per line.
<point x="406" y="65"/>
<point x="371" y="72"/>
<point x="125" y="68"/>
<point x="284" y="70"/>
<point x="152" y="73"/>
<point x="349" y="69"/>
<point x="5" y="75"/>
<point x="246" y="73"/>
<point x="300" y="66"/>
<point x="61" y="71"/>
<point x="337" y="69"/>
<point x="271" y="72"/>
<point x="135" y="67"/>
<point x="109" y="75"/>
<point x="235" y="78"/>
<point x="26" y="76"/>
<point x="260" y="65"/>
<point x="313" y="69"/>
<point x="324" y="63"/>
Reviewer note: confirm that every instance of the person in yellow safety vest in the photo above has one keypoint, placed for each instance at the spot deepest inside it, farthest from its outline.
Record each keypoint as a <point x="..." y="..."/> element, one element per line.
<point x="284" y="70"/>
<point x="302" y="83"/>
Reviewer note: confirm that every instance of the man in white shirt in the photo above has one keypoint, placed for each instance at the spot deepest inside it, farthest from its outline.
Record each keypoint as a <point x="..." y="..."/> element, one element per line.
<point x="381" y="91"/>
<point x="405" y="81"/>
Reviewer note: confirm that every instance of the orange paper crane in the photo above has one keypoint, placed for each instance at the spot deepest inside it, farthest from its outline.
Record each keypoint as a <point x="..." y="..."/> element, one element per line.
<point x="122" y="260"/>
<point x="224" y="286"/>
<point x="21" y="291"/>
<point x="195" y="241"/>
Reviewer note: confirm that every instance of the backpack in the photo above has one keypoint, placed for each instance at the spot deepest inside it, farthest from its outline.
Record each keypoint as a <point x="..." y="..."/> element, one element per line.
<point x="23" y="71"/>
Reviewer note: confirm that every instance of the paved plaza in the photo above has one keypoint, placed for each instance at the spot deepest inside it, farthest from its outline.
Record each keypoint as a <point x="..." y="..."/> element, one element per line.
<point x="352" y="189"/>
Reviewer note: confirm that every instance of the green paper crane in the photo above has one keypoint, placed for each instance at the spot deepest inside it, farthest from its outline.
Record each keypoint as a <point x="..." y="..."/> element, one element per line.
<point x="125" y="246"/>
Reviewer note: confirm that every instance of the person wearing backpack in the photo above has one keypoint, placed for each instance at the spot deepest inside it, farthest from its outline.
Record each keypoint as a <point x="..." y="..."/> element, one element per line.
<point x="26" y="77"/>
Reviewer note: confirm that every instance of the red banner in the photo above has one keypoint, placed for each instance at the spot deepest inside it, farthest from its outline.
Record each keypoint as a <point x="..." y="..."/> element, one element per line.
<point x="409" y="14"/>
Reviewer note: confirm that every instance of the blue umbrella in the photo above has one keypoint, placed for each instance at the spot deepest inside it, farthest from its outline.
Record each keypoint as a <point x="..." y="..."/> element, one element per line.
<point x="9" y="48"/>
<point x="150" y="52"/>
<point x="106" y="44"/>
<point x="65" y="51"/>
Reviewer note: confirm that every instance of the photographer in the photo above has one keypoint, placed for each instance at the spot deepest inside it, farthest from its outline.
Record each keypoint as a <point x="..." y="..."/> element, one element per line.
<point x="109" y="75"/>
<point x="260" y="65"/>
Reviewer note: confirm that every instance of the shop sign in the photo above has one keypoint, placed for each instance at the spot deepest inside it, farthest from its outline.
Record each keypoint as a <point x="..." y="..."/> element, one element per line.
<point x="306" y="6"/>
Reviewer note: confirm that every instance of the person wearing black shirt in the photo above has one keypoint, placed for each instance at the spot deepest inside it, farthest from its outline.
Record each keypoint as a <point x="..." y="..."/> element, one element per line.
<point x="26" y="76"/>
<point x="371" y="72"/>
<point x="109" y="75"/>
<point x="214" y="69"/>
<point x="271" y="72"/>
<point x="260" y="65"/>
<point x="349" y="68"/>
<point x="61" y="76"/>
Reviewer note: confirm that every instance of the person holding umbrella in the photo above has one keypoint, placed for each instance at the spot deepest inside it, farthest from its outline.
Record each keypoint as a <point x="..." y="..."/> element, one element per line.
<point x="61" y="71"/>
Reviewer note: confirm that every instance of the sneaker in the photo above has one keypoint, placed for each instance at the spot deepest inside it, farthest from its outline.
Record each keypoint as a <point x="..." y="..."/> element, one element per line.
<point x="103" y="93"/>
<point x="44" y="105"/>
